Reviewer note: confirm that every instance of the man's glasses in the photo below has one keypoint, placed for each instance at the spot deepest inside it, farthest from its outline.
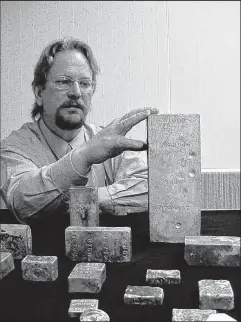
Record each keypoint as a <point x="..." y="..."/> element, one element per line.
<point x="64" y="83"/>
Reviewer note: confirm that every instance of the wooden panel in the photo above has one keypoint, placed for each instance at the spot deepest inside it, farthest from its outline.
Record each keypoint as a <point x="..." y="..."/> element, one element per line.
<point x="220" y="190"/>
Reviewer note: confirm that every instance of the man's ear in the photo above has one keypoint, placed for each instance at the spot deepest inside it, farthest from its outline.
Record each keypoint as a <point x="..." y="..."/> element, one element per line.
<point x="38" y="95"/>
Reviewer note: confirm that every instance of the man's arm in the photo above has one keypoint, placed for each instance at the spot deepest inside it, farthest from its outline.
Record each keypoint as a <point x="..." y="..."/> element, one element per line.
<point x="27" y="188"/>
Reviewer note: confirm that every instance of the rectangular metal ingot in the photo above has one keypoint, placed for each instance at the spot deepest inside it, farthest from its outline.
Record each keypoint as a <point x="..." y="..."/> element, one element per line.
<point x="40" y="268"/>
<point x="162" y="276"/>
<point x="195" y="315"/>
<point x="174" y="163"/>
<point x="144" y="295"/>
<point x="17" y="239"/>
<point x="77" y="307"/>
<point x="215" y="294"/>
<point x="98" y="244"/>
<point x="84" y="206"/>
<point x="6" y="264"/>
<point x="87" y="278"/>
<point x="212" y="250"/>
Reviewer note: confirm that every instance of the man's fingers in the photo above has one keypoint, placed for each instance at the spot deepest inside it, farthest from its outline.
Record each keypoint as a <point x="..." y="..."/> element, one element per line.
<point x="132" y="120"/>
<point x="133" y="145"/>
<point x="139" y="110"/>
<point x="133" y="112"/>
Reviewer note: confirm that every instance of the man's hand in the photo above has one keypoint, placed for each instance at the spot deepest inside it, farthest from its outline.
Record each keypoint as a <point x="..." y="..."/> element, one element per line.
<point x="111" y="141"/>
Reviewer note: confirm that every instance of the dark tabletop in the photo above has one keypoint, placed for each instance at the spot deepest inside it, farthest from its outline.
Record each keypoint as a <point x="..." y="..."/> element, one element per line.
<point x="22" y="300"/>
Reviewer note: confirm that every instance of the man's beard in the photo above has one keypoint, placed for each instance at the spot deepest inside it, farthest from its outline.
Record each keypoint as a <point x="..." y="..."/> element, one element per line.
<point x="70" y="123"/>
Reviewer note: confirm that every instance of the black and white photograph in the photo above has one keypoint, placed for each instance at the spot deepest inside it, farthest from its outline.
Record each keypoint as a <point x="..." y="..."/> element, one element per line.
<point x="120" y="161"/>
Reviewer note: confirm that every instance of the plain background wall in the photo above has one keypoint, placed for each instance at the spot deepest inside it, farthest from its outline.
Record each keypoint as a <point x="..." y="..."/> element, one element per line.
<point x="181" y="57"/>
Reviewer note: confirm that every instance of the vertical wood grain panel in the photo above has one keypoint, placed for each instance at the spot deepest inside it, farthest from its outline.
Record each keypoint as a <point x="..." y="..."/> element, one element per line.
<point x="220" y="190"/>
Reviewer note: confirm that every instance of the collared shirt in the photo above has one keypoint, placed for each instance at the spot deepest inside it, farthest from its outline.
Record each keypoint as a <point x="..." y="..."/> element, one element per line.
<point x="37" y="172"/>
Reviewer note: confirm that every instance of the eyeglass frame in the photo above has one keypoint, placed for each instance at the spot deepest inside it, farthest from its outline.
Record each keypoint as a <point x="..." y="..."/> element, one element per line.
<point x="93" y="83"/>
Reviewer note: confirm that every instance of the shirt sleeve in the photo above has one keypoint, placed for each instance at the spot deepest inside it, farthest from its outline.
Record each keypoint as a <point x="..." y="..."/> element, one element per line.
<point x="27" y="189"/>
<point x="127" y="183"/>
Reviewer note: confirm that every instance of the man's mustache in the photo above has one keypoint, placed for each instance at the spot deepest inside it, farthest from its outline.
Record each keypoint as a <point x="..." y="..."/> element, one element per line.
<point x="74" y="104"/>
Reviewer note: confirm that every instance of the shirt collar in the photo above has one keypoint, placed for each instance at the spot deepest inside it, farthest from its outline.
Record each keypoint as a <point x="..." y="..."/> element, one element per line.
<point x="59" y="146"/>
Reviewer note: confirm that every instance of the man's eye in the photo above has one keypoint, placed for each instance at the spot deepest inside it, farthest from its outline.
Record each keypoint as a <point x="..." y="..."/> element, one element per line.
<point x="63" y="82"/>
<point x="85" y="84"/>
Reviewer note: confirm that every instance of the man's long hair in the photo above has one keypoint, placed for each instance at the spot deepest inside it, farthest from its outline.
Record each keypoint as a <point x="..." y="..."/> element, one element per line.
<point x="46" y="61"/>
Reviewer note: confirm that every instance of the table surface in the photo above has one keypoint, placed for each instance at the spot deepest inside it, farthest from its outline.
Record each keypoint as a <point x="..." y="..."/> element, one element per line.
<point x="22" y="300"/>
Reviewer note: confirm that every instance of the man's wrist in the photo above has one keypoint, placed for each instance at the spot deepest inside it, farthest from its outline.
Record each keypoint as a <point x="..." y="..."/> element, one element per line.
<point x="64" y="175"/>
<point x="80" y="160"/>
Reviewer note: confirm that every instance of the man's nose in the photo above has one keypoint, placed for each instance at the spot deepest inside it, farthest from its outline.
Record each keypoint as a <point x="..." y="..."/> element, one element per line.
<point x="74" y="91"/>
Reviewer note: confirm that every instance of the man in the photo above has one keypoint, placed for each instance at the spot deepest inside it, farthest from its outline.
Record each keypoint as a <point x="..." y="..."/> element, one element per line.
<point x="42" y="159"/>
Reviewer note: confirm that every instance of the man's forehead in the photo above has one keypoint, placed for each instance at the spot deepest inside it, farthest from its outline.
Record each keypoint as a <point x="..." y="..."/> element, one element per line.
<point x="69" y="60"/>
